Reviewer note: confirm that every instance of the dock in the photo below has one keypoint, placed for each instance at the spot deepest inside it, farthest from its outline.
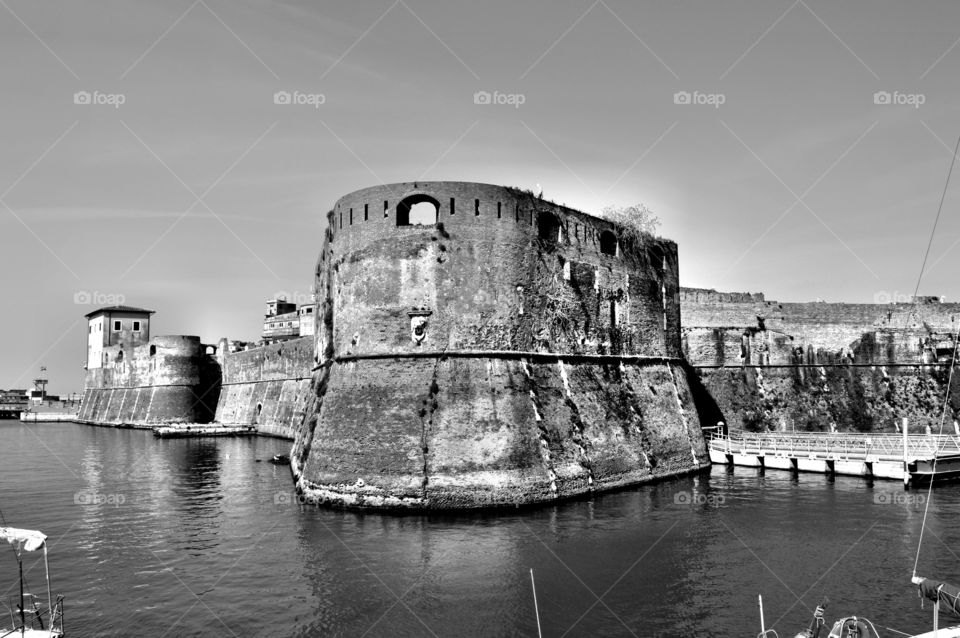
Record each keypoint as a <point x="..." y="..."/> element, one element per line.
<point x="189" y="430"/>
<point x="48" y="417"/>
<point x="880" y="456"/>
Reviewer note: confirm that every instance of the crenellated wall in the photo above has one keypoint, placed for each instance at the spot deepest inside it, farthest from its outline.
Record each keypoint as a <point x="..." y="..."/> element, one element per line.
<point x="820" y="366"/>
<point x="268" y="387"/>
<point x="513" y="352"/>
<point x="170" y="379"/>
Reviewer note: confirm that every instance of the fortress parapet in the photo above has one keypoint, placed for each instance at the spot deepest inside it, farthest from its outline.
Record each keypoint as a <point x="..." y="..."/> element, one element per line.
<point x="167" y="379"/>
<point x="477" y="345"/>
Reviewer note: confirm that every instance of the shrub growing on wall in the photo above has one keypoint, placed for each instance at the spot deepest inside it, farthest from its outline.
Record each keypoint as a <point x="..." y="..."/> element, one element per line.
<point x="636" y="222"/>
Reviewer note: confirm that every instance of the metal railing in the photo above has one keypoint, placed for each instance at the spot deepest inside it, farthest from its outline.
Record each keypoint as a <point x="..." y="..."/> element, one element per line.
<point x="35" y="616"/>
<point x="919" y="446"/>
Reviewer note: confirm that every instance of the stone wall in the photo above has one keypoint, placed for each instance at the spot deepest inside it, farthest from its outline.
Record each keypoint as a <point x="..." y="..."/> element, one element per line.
<point x="268" y="387"/>
<point x="820" y="366"/>
<point x="169" y="379"/>
<point x="514" y="352"/>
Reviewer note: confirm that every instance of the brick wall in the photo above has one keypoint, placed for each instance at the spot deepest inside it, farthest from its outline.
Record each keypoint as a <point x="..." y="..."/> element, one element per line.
<point x="399" y="418"/>
<point x="268" y="387"/>
<point x="169" y="379"/>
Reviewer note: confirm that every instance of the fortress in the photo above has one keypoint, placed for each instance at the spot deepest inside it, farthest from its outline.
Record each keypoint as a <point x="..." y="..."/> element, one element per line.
<point x="506" y="351"/>
<point x="473" y="346"/>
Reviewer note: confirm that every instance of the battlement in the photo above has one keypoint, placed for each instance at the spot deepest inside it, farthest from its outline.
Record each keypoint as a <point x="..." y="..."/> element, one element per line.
<point x="734" y="329"/>
<point x="494" y="268"/>
<point x="379" y="211"/>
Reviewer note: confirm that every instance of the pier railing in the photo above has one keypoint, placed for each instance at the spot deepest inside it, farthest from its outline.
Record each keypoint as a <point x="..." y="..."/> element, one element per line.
<point x="880" y="446"/>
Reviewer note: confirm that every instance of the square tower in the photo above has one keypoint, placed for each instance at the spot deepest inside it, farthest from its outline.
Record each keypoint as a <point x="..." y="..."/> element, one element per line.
<point x="115" y="326"/>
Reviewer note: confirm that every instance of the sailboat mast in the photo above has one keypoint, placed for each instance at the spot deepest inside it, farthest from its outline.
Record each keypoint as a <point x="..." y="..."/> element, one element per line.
<point x="46" y="568"/>
<point x="906" y="463"/>
<point x="22" y="620"/>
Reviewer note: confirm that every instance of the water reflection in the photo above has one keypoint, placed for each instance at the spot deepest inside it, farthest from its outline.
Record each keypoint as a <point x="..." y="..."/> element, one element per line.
<point x="203" y="543"/>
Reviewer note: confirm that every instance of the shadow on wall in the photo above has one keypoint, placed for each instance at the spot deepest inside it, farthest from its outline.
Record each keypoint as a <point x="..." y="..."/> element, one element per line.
<point x="211" y="377"/>
<point x="708" y="411"/>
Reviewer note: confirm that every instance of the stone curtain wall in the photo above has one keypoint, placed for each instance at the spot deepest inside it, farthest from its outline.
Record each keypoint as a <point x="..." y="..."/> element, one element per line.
<point x="497" y="357"/>
<point x="167" y="380"/>
<point x="820" y="366"/>
<point x="268" y="387"/>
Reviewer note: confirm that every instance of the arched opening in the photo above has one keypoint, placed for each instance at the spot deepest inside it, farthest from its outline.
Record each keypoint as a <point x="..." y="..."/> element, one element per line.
<point x="256" y="417"/>
<point x="153" y="351"/>
<point x="608" y="243"/>
<point x="416" y="210"/>
<point x="548" y="226"/>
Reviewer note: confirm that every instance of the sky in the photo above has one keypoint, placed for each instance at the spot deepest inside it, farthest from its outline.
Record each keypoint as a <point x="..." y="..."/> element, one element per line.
<point x="149" y="156"/>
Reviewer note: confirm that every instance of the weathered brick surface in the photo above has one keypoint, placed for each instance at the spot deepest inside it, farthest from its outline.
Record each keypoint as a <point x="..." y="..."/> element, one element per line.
<point x="448" y="429"/>
<point x="744" y="329"/>
<point x="166" y="380"/>
<point x="847" y="366"/>
<point x="869" y="399"/>
<point x="267" y="387"/>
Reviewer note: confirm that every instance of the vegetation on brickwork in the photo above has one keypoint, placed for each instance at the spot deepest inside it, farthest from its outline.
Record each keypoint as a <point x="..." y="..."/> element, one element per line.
<point x="636" y="222"/>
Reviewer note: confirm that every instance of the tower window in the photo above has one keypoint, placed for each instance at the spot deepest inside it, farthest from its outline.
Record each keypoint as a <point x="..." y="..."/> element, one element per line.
<point x="417" y="210"/>
<point x="608" y="243"/>
<point x="117" y="326"/>
<point x="136" y="326"/>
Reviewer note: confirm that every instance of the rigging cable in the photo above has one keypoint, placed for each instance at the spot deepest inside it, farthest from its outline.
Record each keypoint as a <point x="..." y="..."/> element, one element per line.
<point x="952" y="362"/>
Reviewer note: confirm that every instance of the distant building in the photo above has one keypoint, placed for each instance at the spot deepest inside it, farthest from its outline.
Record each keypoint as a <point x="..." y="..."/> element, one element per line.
<point x="12" y="403"/>
<point x="123" y="326"/>
<point x="308" y="324"/>
<point x="280" y="306"/>
<point x="284" y="321"/>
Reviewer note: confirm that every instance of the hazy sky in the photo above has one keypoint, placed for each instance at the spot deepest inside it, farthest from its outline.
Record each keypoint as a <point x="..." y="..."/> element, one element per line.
<point x="183" y="187"/>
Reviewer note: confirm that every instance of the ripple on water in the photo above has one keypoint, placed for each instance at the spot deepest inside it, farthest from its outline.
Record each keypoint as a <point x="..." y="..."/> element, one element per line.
<point x="205" y="540"/>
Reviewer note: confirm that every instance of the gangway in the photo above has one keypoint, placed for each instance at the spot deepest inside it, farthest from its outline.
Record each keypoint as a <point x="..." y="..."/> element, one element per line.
<point x="883" y="456"/>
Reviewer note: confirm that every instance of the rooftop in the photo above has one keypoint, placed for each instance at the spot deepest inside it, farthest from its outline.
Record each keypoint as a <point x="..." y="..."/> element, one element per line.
<point x="118" y="309"/>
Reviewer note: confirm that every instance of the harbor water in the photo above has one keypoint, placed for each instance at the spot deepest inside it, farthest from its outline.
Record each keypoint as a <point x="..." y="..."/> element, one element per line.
<point x="195" y="537"/>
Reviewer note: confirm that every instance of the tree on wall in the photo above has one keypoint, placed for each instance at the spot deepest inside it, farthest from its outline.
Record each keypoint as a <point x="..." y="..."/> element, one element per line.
<point x="636" y="222"/>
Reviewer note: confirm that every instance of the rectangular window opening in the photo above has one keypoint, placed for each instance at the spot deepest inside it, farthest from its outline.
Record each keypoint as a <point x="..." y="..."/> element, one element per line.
<point x="453" y="206"/>
<point x="341" y="220"/>
<point x="136" y="326"/>
<point x="351" y="217"/>
<point x="116" y="326"/>
<point x="366" y="212"/>
<point x="476" y="208"/>
<point x="498" y="210"/>
<point x="386" y="208"/>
